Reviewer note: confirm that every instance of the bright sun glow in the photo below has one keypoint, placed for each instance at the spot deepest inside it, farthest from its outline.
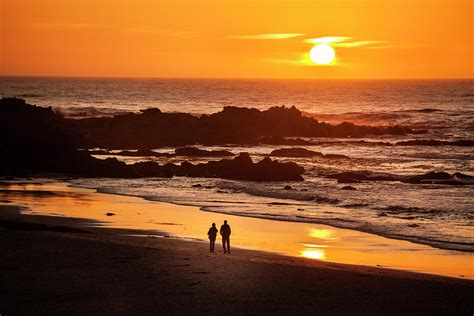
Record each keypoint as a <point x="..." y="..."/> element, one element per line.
<point x="322" y="54"/>
<point x="314" y="254"/>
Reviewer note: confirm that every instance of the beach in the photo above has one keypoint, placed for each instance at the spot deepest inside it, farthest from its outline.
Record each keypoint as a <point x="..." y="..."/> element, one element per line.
<point x="55" y="264"/>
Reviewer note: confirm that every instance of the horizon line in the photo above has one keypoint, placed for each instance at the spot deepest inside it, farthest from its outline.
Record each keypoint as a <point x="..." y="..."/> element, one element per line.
<point x="228" y="78"/>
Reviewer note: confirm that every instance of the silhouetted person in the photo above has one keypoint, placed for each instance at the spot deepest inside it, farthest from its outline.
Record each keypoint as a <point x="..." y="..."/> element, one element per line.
<point x="212" y="233"/>
<point x="225" y="233"/>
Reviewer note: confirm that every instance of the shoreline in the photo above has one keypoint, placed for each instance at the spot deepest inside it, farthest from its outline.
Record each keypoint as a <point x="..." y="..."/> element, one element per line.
<point x="323" y="243"/>
<point x="442" y="245"/>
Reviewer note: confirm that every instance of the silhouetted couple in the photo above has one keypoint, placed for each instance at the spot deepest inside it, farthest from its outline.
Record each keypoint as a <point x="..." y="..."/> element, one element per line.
<point x="225" y="233"/>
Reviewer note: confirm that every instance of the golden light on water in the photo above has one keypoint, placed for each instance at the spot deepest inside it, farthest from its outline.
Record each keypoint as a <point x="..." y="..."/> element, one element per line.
<point x="322" y="54"/>
<point x="313" y="254"/>
<point x="324" y="234"/>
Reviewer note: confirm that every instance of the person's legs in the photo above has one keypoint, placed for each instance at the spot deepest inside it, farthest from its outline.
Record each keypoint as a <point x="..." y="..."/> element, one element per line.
<point x="223" y="244"/>
<point x="212" y="242"/>
<point x="228" y="245"/>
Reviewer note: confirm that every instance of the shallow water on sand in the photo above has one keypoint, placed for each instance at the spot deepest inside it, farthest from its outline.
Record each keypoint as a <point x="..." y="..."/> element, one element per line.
<point x="312" y="241"/>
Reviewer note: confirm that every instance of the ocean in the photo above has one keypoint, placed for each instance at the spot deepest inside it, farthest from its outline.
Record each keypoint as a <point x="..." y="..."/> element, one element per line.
<point x="433" y="214"/>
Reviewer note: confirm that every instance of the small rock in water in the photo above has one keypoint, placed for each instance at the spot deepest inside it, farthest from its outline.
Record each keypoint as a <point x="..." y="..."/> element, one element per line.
<point x="287" y="187"/>
<point x="110" y="214"/>
<point x="413" y="225"/>
<point x="348" y="187"/>
<point x="197" y="185"/>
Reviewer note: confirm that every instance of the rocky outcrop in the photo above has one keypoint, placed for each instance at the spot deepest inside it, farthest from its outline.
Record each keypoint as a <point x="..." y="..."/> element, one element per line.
<point x="278" y="125"/>
<point x="433" y="142"/>
<point x="440" y="178"/>
<point x="242" y="168"/>
<point x="297" y="152"/>
<point x="183" y="151"/>
<point x="348" y="188"/>
<point x="433" y="177"/>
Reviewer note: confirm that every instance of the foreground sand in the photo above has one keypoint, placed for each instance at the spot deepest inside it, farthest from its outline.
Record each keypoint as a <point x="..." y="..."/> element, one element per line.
<point x="57" y="266"/>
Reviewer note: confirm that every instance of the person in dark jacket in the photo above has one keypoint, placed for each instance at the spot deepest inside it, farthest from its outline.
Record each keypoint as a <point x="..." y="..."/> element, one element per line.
<point x="225" y="233"/>
<point x="212" y="234"/>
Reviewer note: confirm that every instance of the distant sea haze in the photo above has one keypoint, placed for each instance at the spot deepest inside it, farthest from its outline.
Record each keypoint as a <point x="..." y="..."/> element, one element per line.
<point x="436" y="214"/>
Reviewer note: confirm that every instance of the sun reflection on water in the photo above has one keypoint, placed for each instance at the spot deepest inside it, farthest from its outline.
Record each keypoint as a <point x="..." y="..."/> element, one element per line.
<point x="313" y="254"/>
<point x="324" y="234"/>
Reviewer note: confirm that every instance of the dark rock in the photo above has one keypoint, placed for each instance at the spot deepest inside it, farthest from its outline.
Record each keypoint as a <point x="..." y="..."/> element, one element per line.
<point x="335" y="156"/>
<point x="348" y="187"/>
<point x="242" y="168"/>
<point x="431" y="177"/>
<point x="462" y="176"/>
<point x="295" y="152"/>
<point x="287" y="187"/>
<point x="99" y="152"/>
<point x="140" y="153"/>
<point x="413" y="225"/>
<point x="153" y="128"/>
<point x="150" y="169"/>
<point x="110" y="214"/>
<point x="197" y="185"/>
<point x="433" y="142"/>
<point x="441" y="177"/>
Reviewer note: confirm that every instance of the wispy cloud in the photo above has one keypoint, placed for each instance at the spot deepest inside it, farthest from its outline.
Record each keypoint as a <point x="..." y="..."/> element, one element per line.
<point x="348" y="42"/>
<point x="268" y="36"/>
<point x="327" y="39"/>
<point x="360" y="43"/>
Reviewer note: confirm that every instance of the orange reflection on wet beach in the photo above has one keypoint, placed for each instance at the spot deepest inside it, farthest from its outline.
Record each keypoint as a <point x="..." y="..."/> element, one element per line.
<point x="311" y="241"/>
<point x="314" y="254"/>
<point x="323" y="234"/>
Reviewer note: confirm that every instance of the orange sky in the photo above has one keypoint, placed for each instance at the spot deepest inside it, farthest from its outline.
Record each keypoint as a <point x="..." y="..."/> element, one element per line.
<point x="231" y="38"/>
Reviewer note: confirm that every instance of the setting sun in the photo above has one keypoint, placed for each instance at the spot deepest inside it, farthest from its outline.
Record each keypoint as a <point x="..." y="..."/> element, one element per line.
<point x="322" y="54"/>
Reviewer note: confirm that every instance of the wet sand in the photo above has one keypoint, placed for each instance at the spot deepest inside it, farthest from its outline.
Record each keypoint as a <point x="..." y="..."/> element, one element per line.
<point x="69" y="264"/>
<point x="313" y="241"/>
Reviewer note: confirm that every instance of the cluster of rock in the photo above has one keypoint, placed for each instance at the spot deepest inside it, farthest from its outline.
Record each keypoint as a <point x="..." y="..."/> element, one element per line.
<point x="233" y="125"/>
<point x="413" y="142"/>
<point x="38" y="140"/>
<point x="178" y="152"/>
<point x="433" y="142"/>
<point x="240" y="168"/>
<point x="434" y="177"/>
<point x="297" y="152"/>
